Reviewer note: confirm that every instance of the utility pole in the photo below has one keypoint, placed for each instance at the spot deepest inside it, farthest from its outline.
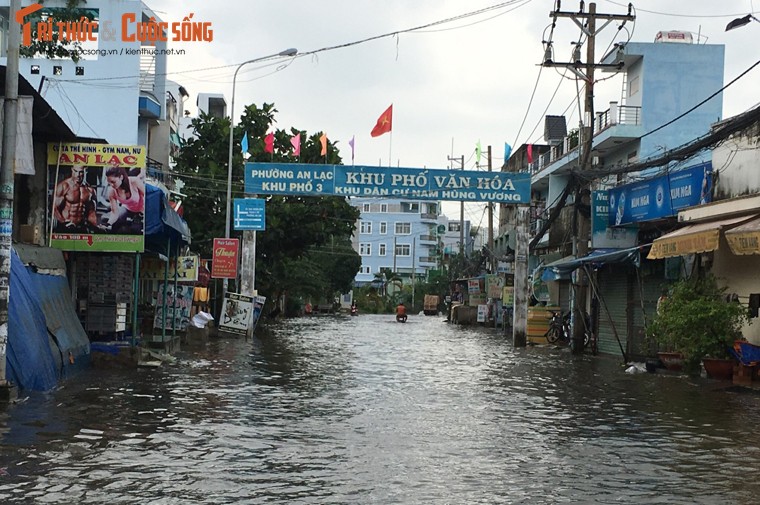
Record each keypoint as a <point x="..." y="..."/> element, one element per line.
<point x="461" y="210"/>
<point x="520" y="312"/>
<point x="581" y="220"/>
<point x="414" y="266"/>
<point x="490" y="223"/>
<point x="7" y="169"/>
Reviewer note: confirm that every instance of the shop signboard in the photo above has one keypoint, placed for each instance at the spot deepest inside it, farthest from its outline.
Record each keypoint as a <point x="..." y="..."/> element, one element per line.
<point x="154" y="269"/>
<point x="482" y="313"/>
<point x="224" y="264"/>
<point x="660" y="196"/>
<point x="604" y="236"/>
<point x="258" y="306"/>
<point x="236" y="313"/>
<point x="98" y="197"/>
<point x="177" y="307"/>
<point x="473" y="286"/>
<point x="494" y="285"/>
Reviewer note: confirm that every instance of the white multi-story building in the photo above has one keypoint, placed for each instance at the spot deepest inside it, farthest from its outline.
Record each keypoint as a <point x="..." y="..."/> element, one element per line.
<point x="117" y="90"/>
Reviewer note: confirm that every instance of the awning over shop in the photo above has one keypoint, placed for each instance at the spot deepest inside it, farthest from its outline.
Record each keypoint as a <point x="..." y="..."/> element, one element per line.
<point x="745" y="238"/>
<point x="162" y="223"/>
<point x="695" y="238"/>
<point x="561" y="269"/>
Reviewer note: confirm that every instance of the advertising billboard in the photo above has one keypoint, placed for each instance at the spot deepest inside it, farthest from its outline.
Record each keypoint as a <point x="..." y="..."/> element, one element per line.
<point x="98" y="197"/>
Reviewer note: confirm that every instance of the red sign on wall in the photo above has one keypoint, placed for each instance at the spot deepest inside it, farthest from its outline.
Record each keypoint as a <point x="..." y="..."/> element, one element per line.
<point x="225" y="261"/>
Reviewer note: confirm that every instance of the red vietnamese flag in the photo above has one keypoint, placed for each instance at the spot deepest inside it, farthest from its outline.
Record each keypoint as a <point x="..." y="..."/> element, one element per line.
<point x="269" y="143"/>
<point x="384" y="123"/>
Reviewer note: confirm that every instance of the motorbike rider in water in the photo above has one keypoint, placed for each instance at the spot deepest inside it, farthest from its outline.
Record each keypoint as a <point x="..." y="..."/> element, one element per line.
<point x="401" y="313"/>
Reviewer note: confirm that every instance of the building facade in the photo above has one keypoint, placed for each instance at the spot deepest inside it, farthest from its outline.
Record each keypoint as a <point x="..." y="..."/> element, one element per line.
<point x="664" y="105"/>
<point x="117" y="90"/>
<point x="407" y="237"/>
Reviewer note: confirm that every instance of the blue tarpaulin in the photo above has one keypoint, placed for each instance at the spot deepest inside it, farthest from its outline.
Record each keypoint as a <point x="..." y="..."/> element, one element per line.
<point x="30" y="361"/>
<point x="162" y="223"/>
<point x="55" y="298"/>
<point x="562" y="269"/>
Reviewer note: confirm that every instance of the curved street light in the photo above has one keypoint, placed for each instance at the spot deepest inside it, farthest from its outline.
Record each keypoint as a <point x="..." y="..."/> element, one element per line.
<point x="286" y="52"/>
<point x="736" y="23"/>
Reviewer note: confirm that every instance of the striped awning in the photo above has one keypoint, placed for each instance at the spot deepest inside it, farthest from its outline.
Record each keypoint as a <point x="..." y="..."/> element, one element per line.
<point x="695" y="238"/>
<point x="745" y="239"/>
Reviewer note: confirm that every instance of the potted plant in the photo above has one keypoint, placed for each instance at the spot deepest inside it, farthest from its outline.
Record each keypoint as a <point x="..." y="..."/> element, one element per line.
<point x="696" y="320"/>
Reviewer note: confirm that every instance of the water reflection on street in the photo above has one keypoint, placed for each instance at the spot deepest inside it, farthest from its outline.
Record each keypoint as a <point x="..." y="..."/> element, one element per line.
<point x="346" y="410"/>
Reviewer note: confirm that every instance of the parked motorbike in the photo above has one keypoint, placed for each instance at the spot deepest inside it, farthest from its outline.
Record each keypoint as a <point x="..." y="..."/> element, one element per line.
<point x="560" y="331"/>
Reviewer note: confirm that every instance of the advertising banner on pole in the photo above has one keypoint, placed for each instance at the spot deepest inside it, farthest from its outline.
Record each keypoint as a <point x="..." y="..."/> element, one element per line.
<point x="98" y="197"/>
<point x="224" y="264"/>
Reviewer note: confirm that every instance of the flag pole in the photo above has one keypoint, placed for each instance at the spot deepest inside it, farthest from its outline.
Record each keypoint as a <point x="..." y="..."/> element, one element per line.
<point x="390" y="150"/>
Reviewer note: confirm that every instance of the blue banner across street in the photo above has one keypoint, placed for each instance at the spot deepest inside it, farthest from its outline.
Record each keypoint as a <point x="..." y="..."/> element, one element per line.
<point x="365" y="181"/>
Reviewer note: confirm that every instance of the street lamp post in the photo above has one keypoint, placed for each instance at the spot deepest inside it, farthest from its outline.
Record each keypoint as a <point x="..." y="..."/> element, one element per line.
<point x="736" y="23"/>
<point x="286" y="52"/>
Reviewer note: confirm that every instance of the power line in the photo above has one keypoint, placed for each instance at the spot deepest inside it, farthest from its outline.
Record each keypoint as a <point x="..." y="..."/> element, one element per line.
<point x="339" y="46"/>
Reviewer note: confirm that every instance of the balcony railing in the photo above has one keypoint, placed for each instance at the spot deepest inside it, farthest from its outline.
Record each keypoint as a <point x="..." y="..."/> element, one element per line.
<point x="625" y="114"/>
<point x="156" y="170"/>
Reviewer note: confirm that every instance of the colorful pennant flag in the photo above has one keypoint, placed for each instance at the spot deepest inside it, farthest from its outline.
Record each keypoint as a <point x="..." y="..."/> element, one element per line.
<point x="384" y="122"/>
<point x="530" y="153"/>
<point x="244" y="146"/>
<point x="323" y="141"/>
<point x="351" y="143"/>
<point x="295" y="141"/>
<point x="507" y="151"/>
<point x="478" y="152"/>
<point x="269" y="143"/>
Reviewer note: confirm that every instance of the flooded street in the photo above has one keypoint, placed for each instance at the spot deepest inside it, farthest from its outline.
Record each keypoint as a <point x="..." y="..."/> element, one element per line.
<point x="345" y="410"/>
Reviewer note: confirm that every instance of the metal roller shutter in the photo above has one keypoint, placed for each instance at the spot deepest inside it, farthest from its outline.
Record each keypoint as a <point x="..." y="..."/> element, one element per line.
<point x="652" y="280"/>
<point x="613" y="284"/>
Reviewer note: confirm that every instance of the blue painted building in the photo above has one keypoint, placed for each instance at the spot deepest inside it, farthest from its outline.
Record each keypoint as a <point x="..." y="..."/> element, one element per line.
<point x="662" y="83"/>
<point x="405" y="236"/>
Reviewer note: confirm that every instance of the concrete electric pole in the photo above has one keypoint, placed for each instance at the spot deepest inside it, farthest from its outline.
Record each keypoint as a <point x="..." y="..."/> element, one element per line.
<point x="7" y="169"/>
<point x="587" y="22"/>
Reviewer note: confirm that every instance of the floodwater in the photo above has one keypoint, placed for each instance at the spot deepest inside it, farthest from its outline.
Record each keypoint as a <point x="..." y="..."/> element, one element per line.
<point x="342" y="410"/>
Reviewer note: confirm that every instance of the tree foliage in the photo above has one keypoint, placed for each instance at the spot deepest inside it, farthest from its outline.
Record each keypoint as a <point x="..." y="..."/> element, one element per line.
<point x="58" y="47"/>
<point x="696" y="320"/>
<point x="306" y="249"/>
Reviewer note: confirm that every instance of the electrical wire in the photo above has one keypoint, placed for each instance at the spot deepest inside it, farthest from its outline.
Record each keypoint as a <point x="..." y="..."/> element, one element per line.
<point x="681" y="15"/>
<point x="339" y="46"/>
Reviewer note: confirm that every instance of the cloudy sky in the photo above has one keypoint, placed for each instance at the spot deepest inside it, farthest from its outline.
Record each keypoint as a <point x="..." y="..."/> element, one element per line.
<point x="470" y="76"/>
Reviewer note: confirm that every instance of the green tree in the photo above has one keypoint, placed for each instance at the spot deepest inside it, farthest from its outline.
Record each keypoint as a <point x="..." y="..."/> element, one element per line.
<point x="61" y="45"/>
<point x="298" y="228"/>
